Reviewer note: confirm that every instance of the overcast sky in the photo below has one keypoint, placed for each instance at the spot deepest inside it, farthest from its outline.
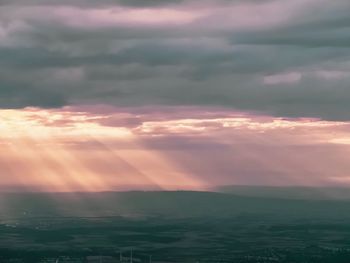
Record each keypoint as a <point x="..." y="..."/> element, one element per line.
<point x="283" y="57"/>
<point x="198" y="64"/>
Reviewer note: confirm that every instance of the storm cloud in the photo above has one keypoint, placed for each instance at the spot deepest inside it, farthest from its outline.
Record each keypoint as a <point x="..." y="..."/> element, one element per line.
<point x="279" y="57"/>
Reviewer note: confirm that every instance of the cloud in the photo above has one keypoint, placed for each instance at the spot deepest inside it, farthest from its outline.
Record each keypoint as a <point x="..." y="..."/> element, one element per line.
<point x="276" y="57"/>
<point x="286" y="78"/>
<point x="98" y="148"/>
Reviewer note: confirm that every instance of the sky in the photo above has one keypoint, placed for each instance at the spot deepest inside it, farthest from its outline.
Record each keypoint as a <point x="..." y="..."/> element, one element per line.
<point x="173" y="94"/>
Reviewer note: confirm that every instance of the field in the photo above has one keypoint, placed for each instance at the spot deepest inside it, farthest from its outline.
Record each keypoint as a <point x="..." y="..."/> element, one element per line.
<point x="172" y="227"/>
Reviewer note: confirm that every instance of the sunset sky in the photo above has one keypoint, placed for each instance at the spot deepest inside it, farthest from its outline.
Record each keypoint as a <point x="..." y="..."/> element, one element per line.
<point x="173" y="94"/>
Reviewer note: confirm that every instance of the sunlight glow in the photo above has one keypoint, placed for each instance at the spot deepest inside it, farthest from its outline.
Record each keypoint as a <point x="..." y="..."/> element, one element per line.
<point x="81" y="150"/>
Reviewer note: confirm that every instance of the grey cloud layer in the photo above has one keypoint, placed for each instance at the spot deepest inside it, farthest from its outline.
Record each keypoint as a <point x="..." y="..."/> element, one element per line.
<point x="283" y="57"/>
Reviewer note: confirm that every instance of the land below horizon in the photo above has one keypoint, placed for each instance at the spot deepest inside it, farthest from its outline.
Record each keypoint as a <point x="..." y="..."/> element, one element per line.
<point x="175" y="226"/>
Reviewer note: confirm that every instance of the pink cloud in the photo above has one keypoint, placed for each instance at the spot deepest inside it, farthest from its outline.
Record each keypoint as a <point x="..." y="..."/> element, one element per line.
<point x="104" y="148"/>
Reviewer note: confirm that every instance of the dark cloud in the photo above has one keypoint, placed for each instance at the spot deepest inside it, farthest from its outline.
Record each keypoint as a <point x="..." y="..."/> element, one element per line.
<point x="294" y="62"/>
<point x="308" y="36"/>
<point x="108" y="3"/>
<point x="12" y="96"/>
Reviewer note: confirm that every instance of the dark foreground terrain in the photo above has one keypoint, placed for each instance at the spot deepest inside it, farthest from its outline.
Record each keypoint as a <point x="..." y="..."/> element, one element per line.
<point x="171" y="227"/>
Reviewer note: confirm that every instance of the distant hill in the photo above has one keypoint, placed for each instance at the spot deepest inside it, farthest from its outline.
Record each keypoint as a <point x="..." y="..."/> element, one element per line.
<point x="178" y="204"/>
<point x="288" y="192"/>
